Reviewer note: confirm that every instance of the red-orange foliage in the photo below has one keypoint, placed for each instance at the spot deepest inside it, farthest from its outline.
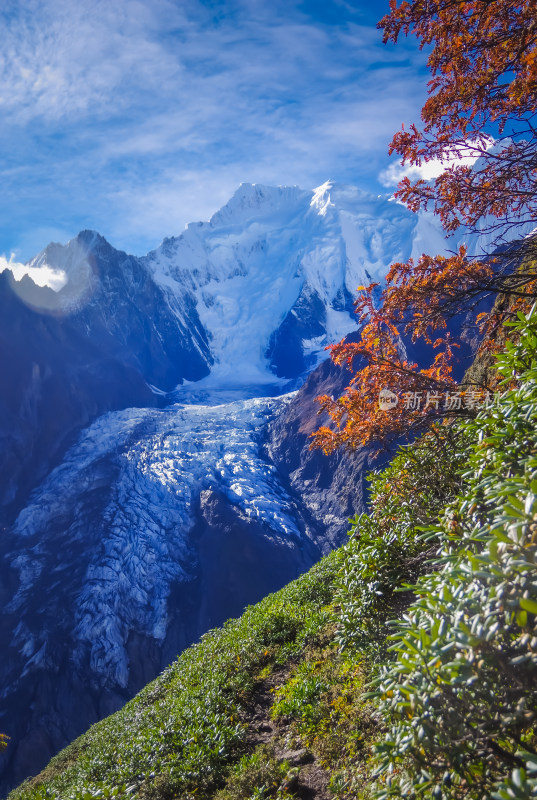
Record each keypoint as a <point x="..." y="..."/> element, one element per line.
<point x="484" y="82"/>
<point x="483" y="63"/>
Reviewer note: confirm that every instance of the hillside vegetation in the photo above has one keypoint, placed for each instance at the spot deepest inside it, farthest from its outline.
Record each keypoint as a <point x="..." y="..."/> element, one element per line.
<point x="315" y="693"/>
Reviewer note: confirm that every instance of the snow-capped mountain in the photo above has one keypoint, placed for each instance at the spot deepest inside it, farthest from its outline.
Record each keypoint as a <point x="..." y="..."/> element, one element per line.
<point x="155" y="470"/>
<point x="100" y="343"/>
<point x="274" y="273"/>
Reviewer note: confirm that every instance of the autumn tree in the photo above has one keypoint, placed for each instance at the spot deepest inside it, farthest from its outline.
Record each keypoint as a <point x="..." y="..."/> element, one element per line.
<point x="482" y="102"/>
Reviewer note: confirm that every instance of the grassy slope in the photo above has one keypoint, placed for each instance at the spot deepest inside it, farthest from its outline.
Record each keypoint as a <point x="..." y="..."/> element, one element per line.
<point x="268" y="705"/>
<point x="183" y="734"/>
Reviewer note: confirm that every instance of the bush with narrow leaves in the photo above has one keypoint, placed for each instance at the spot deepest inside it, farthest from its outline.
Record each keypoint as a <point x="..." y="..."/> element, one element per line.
<point x="386" y="547"/>
<point x="460" y="699"/>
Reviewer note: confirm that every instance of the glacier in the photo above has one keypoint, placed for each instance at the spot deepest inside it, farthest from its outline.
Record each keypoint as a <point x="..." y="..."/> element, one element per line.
<point x="162" y="460"/>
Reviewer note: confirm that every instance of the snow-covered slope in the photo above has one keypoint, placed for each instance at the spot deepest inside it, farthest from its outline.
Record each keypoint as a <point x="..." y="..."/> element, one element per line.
<point x="275" y="272"/>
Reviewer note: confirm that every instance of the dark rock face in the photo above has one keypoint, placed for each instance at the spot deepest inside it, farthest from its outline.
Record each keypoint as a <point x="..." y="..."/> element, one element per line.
<point x="62" y="369"/>
<point x="241" y="561"/>
<point x="305" y="322"/>
<point x="332" y="488"/>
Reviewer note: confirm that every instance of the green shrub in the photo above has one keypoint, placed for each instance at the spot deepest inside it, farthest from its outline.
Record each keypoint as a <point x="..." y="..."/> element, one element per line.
<point x="300" y="698"/>
<point x="257" y="776"/>
<point x="461" y="697"/>
<point x="387" y="548"/>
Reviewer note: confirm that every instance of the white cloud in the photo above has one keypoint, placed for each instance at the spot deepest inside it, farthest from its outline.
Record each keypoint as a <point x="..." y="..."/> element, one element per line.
<point x="64" y="59"/>
<point x="463" y="155"/>
<point x="42" y="276"/>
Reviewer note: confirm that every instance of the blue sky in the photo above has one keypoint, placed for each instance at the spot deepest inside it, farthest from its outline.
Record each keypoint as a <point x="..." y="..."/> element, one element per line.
<point x="135" y="117"/>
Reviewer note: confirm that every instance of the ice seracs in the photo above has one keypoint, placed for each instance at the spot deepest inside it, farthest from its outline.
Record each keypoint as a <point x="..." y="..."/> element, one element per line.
<point x="135" y="541"/>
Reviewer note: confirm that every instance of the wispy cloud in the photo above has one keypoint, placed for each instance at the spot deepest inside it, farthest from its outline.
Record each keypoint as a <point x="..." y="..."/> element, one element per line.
<point x="141" y="115"/>
<point x="64" y="60"/>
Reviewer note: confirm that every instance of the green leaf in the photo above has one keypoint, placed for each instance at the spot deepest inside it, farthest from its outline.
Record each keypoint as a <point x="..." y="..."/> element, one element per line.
<point x="528" y="605"/>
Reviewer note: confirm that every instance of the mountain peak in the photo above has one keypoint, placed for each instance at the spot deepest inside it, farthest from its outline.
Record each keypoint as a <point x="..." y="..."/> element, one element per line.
<point x="343" y="197"/>
<point x="321" y="197"/>
<point x="252" y="200"/>
<point x="90" y="237"/>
